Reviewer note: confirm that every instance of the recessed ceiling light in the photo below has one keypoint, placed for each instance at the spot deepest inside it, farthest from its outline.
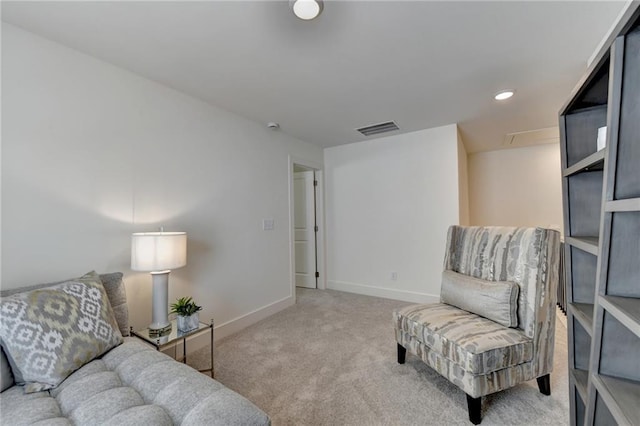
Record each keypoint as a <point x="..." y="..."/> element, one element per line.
<point x="306" y="9"/>
<point x="503" y="94"/>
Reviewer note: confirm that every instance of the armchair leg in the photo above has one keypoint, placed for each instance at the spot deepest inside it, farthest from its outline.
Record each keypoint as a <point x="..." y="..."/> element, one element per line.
<point x="475" y="409"/>
<point x="544" y="384"/>
<point x="402" y="354"/>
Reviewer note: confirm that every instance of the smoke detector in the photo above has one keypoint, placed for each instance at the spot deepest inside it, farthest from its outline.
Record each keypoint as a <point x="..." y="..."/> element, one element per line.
<point x="273" y="126"/>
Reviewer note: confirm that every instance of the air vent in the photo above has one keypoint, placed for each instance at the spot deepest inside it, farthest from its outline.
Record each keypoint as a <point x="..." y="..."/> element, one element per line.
<point x="376" y="129"/>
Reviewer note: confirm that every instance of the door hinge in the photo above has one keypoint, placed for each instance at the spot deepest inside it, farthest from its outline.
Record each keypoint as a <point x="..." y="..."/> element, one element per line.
<point x="316" y="228"/>
<point x="315" y="183"/>
<point x="317" y="274"/>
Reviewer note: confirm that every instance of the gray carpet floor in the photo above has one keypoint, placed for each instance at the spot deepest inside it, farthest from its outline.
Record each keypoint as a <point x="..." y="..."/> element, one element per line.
<point x="331" y="360"/>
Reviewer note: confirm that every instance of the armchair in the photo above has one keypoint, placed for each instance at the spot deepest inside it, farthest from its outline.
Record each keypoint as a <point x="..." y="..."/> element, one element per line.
<point x="495" y="325"/>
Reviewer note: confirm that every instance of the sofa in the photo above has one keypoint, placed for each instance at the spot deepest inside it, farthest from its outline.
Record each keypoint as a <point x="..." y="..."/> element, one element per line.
<point x="129" y="383"/>
<point x="495" y="324"/>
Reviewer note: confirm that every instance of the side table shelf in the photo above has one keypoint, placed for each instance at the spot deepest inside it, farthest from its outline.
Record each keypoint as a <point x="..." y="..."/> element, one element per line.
<point x="174" y="337"/>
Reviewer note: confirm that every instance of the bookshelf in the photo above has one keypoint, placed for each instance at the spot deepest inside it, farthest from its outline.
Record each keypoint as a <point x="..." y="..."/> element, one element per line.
<point x="601" y="202"/>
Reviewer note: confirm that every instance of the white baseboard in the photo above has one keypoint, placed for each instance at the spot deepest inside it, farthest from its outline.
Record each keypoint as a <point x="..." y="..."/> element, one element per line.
<point x="234" y="325"/>
<point x="387" y="293"/>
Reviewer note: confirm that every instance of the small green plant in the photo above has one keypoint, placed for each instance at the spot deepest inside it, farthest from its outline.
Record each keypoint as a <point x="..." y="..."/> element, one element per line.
<point x="185" y="307"/>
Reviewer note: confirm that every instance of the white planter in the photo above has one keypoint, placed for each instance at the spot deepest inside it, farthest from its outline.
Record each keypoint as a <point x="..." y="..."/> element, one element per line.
<point x="188" y="323"/>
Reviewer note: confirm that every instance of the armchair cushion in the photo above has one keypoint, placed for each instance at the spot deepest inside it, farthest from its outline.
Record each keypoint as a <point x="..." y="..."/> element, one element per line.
<point x="495" y="300"/>
<point x="478" y="345"/>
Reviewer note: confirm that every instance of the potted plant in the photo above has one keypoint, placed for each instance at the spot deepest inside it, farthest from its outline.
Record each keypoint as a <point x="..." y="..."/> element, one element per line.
<point x="187" y="312"/>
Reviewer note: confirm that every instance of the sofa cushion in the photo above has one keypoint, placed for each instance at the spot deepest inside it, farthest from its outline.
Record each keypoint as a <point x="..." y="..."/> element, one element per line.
<point x="132" y="384"/>
<point x="476" y="344"/>
<point x="49" y="333"/>
<point x="495" y="300"/>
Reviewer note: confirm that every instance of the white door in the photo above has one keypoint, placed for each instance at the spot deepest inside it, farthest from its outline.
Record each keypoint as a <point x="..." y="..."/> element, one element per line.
<point x="304" y="228"/>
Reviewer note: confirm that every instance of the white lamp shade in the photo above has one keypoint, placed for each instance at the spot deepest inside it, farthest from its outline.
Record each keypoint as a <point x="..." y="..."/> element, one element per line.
<point x="158" y="251"/>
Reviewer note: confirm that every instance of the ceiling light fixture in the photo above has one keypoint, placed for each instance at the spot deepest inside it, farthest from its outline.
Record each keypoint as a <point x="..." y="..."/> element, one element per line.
<point x="504" y="94"/>
<point x="306" y="9"/>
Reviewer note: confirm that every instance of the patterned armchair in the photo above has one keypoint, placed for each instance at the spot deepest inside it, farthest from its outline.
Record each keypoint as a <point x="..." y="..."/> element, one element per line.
<point x="507" y="274"/>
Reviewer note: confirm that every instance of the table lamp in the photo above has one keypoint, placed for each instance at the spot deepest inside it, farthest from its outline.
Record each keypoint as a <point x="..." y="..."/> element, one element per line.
<point x="159" y="253"/>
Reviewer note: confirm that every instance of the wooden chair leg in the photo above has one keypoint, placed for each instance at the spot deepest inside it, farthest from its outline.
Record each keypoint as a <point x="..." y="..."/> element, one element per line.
<point x="544" y="384"/>
<point x="475" y="409"/>
<point x="402" y="354"/>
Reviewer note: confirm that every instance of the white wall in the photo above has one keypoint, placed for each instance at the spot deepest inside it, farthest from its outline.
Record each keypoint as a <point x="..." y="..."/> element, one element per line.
<point x="389" y="203"/>
<point x="91" y="153"/>
<point x="517" y="187"/>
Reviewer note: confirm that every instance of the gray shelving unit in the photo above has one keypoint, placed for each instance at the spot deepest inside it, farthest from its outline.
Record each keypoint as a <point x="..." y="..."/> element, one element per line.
<point x="601" y="200"/>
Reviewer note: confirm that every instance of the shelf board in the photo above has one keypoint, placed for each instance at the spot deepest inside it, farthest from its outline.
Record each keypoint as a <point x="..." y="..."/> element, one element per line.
<point x="624" y="309"/>
<point x="584" y="314"/>
<point x="588" y="244"/>
<point x="621" y="397"/>
<point x="591" y="163"/>
<point x="628" y="205"/>
<point x="581" y="378"/>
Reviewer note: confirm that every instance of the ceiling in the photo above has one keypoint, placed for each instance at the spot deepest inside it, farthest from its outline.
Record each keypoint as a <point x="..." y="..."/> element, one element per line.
<point x="421" y="64"/>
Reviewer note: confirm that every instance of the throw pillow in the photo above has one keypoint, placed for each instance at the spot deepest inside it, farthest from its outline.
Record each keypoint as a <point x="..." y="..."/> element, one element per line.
<point x="495" y="300"/>
<point x="49" y="333"/>
<point x="114" y="286"/>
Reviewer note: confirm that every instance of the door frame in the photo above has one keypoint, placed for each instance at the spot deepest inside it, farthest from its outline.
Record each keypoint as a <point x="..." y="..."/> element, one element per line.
<point x="320" y="235"/>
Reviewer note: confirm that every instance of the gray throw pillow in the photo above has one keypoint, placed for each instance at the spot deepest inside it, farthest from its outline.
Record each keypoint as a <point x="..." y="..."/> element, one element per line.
<point x="49" y="333"/>
<point x="495" y="300"/>
<point x="114" y="287"/>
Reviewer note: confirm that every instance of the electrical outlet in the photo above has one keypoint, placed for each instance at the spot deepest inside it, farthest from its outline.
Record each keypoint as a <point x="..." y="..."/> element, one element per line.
<point x="394" y="276"/>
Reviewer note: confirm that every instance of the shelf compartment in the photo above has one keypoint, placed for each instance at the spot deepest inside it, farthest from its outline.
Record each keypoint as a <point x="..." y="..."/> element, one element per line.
<point x="580" y="378"/>
<point x="583" y="275"/>
<point x="581" y="346"/>
<point x="594" y="162"/>
<point x="582" y="132"/>
<point x="580" y="409"/>
<point x="586" y="244"/>
<point x="618" y="347"/>
<point x="624" y="255"/>
<point x="628" y="155"/>
<point x="624" y="309"/>
<point x="585" y="201"/>
<point x="620" y="397"/>
<point x="583" y="312"/>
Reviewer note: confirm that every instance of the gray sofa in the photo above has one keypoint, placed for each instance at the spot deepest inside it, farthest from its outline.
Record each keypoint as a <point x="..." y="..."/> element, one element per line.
<point x="130" y="384"/>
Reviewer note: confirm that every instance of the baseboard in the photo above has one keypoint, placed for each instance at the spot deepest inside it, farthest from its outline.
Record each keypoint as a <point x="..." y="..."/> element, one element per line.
<point x="387" y="293"/>
<point x="234" y="325"/>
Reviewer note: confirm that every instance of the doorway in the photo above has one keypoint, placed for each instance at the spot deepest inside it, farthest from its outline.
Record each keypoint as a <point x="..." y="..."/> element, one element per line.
<point x="306" y="215"/>
<point x="305" y="227"/>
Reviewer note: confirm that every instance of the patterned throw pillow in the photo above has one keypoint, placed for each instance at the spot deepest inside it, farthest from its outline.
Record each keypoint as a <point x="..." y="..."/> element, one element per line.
<point x="49" y="333"/>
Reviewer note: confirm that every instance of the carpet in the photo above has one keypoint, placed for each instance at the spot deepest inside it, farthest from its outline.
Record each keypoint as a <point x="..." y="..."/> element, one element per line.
<point x="331" y="360"/>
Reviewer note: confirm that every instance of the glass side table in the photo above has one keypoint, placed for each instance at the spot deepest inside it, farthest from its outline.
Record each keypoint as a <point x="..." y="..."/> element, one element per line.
<point x="173" y="337"/>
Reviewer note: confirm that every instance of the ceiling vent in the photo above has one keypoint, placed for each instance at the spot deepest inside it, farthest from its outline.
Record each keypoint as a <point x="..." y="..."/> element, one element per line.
<point x="531" y="137"/>
<point x="376" y="129"/>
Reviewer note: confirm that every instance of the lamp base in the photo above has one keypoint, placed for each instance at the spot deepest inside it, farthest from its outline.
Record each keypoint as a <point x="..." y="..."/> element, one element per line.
<point x="160" y="331"/>
<point x="160" y="318"/>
